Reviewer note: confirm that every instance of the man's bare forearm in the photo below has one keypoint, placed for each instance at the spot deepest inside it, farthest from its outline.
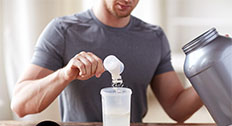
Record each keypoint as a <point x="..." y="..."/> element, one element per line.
<point x="186" y="104"/>
<point x="33" y="96"/>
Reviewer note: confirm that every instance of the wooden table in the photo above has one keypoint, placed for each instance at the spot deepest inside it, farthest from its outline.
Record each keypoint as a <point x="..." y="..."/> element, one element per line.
<point x="23" y="123"/>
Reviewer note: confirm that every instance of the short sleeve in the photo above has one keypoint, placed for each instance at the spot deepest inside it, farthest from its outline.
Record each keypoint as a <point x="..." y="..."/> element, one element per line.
<point x="48" y="52"/>
<point x="165" y="64"/>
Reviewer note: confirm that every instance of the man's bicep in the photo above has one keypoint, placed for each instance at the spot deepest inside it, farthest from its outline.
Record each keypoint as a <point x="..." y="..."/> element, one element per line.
<point x="166" y="87"/>
<point x="34" y="72"/>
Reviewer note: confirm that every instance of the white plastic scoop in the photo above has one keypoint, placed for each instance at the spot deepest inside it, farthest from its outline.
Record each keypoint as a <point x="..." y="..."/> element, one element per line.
<point x="115" y="67"/>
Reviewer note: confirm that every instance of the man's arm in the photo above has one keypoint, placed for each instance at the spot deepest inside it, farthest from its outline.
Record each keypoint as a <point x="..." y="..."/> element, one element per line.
<point x="38" y="87"/>
<point x="179" y="103"/>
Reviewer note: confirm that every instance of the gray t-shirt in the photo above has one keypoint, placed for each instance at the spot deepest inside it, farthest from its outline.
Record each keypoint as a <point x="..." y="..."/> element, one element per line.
<point x="143" y="48"/>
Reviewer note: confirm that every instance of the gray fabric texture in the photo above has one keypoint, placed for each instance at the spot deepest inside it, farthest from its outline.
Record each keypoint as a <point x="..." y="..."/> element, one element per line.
<point x="142" y="47"/>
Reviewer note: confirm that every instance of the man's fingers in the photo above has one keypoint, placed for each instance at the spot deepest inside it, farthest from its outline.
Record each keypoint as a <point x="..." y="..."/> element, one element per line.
<point x="93" y="62"/>
<point x="88" y="64"/>
<point x="100" y="69"/>
<point x="76" y="63"/>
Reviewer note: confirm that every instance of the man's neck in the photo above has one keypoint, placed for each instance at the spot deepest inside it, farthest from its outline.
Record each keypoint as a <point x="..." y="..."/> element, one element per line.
<point x="108" y="19"/>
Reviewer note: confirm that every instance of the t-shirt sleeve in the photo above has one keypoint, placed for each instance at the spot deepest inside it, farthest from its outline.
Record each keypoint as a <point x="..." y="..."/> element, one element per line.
<point x="48" y="52"/>
<point x="165" y="64"/>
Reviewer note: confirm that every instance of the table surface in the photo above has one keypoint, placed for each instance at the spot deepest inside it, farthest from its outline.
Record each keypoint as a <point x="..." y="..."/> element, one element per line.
<point x="25" y="123"/>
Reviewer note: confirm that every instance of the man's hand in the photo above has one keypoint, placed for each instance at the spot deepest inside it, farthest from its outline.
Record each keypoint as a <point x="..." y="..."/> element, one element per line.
<point x="83" y="66"/>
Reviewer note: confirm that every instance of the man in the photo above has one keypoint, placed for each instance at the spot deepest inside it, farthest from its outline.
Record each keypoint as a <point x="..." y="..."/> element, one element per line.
<point x="68" y="59"/>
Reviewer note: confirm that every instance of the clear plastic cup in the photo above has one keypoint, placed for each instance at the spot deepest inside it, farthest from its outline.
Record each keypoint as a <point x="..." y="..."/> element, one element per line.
<point x="116" y="104"/>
